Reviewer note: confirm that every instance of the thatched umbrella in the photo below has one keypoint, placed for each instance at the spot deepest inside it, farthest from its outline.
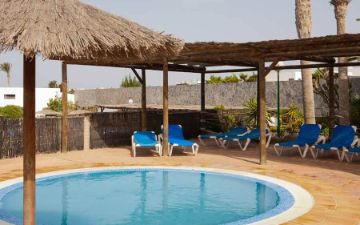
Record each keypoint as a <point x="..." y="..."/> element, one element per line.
<point x="69" y="30"/>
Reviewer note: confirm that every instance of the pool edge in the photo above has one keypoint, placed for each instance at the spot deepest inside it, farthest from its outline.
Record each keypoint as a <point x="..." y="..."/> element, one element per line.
<point x="303" y="200"/>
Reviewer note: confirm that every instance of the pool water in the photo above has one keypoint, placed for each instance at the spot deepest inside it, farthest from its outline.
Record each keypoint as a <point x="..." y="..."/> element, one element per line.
<point x="148" y="196"/>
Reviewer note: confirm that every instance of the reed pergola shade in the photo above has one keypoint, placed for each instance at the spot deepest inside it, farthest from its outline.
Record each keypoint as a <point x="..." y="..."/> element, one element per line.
<point x="72" y="30"/>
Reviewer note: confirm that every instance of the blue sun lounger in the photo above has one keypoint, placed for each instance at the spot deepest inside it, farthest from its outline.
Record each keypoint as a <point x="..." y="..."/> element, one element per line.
<point x="247" y="137"/>
<point x="343" y="137"/>
<point x="145" y="139"/>
<point x="176" y="139"/>
<point x="349" y="153"/>
<point x="309" y="135"/>
<point x="218" y="136"/>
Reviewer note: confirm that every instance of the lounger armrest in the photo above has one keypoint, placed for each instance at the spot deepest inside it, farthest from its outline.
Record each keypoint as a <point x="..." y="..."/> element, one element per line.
<point x="160" y="138"/>
<point x="356" y="141"/>
<point x="321" y="139"/>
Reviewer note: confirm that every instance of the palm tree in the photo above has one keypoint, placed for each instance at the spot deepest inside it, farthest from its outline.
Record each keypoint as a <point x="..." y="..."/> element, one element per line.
<point x="340" y="9"/>
<point x="304" y="25"/>
<point x="6" y="67"/>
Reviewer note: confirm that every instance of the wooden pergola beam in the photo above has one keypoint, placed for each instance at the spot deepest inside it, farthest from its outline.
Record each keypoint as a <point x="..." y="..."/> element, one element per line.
<point x="271" y="67"/>
<point x="137" y="75"/>
<point x="29" y="137"/>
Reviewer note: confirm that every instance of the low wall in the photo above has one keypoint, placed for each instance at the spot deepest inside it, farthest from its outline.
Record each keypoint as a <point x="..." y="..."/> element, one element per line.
<point x="48" y="136"/>
<point x="229" y="95"/>
<point x="115" y="128"/>
<point x="105" y="130"/>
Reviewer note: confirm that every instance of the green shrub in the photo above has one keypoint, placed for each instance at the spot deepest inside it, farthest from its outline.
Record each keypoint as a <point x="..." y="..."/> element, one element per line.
<point x="12" y="112"/>
<point x="292" y="119"/>
<point x="56" y="104"/>
<point x="251" y="113"/>
<point x="130" y="81"/>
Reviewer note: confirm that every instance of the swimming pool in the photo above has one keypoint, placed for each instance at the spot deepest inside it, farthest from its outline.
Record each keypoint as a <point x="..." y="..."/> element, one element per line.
<point x="153" y="196"/>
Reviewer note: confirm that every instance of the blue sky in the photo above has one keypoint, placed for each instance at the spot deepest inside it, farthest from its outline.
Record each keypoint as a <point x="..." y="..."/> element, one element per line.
<point x="191" y="20"/>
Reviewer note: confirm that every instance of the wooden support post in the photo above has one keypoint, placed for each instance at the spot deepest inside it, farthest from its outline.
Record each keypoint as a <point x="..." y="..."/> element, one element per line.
<point x="202" y="91"/>
<point x="64" y="103"/>
<point x="258" y="98"/>
<point x="143" y="100"/>
<point x="262" y="111"/>
<point x="29" y="141"/>
<point x="331" y="98"/>
<point x="165" y="108"/>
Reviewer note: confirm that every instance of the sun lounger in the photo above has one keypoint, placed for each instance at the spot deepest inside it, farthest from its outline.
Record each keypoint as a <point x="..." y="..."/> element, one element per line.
<point x="309" y="135"/>
<point x="349" y="153"/>
<point x="343" y="137"/>
<point x="145" y="139"/>
<point x="218" y="136"/>
<point x="176" y="139"/>
<point x="247" y="137"/>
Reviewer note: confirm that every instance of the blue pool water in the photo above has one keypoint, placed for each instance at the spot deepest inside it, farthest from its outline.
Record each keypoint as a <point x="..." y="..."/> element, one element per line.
<point x="148" y="196"/>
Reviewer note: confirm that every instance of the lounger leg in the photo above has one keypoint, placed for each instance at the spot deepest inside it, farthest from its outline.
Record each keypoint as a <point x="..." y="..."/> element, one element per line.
<point x="268" y="141"/>
<point x="195" y="149"/>
<point x="225" y="144"/>
<point x="202" y="142"/>
<point x="278" y="151"/>
<point x="306" y="150"/>
<point x="171" y="147"/>
<point x="239" y="143"/>
<point x="338" y="154"/>
<point x="314" y="155"/>
<point x="246" y="144"/>
<point x="134" y="151"/>
<point x="218" y="143"/>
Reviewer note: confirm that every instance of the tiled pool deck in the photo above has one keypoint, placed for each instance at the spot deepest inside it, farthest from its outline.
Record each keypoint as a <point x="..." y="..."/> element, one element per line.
<point x="335" y="186"/>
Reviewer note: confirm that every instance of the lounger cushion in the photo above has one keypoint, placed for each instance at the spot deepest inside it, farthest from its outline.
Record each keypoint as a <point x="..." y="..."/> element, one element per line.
<point x="233" y="131"/>
<point x="343" y="136"/>
<point x="145" y="138"/>
<point x="309" y="134"/>
<point x="354" y="149"/>
<point x="253" y="135"/>
<point x="180" y="142"/>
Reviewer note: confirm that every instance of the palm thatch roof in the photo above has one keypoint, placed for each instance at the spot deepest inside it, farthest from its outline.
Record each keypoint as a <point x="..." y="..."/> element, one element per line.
<point x="72" y="30"/>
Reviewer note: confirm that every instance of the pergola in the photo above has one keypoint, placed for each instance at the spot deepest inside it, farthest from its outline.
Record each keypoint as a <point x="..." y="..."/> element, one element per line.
<point x="262" y="57"/>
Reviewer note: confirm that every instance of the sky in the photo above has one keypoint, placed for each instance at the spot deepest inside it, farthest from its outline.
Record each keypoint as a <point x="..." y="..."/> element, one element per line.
<point x="190" y="20"/>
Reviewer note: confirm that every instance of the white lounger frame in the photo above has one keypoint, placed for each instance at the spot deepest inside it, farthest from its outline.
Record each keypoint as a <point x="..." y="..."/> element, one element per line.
<point x="279" y="150"/>
<point x="202" y="142"/>
<point x="226" y="143"/>
<point x="349" y="156"/>
<point x="158" y="147"/>
<point x="316" y="152"/>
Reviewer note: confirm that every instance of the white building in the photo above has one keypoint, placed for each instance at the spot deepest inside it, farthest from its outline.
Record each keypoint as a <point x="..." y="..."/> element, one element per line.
<point x="14" y="96"/>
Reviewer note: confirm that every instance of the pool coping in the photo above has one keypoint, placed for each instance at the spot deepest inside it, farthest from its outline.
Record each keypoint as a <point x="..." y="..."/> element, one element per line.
<point x="303" y="200"/>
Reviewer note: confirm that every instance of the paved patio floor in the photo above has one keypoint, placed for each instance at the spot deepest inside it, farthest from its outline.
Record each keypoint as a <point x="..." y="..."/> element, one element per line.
<point x="334" y="185"/>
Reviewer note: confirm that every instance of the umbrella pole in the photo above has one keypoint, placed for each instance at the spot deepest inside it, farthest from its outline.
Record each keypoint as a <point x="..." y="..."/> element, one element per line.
<point x="29" y="141"/>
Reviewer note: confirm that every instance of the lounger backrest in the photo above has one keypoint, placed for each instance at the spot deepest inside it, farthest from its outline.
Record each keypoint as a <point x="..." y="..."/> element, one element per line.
<point x="176" y="131"/>
<point x="343" y="134"/>
<point x="143" y="137"/>
<point x="310" y="133"/>
<point x="237" y="130"/>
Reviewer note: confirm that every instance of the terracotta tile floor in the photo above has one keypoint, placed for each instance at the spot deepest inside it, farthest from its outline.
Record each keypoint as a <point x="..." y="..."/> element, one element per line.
<point x="334" y="185"/>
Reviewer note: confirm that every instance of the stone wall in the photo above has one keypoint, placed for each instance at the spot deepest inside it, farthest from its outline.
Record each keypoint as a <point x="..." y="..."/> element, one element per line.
<point x="229" y="95"/>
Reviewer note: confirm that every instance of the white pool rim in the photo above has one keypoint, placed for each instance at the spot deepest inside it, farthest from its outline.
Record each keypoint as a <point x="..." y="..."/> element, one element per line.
<point x="303" y="200"/>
